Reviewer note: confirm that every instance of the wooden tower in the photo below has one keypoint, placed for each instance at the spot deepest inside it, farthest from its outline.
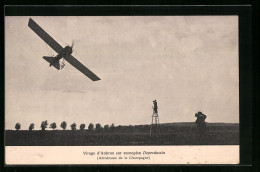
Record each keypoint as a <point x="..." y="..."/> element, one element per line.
<point x="155" y="123"/>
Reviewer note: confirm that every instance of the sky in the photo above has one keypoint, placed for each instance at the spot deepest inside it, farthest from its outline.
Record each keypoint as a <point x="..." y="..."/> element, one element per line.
<point x="187" y="63"/>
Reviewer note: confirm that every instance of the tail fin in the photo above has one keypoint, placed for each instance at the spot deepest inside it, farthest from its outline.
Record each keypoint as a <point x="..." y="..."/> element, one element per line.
<point x="50" y="60"/>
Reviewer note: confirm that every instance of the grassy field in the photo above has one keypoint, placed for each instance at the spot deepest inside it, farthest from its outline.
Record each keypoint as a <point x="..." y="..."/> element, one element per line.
<point x="168" y="134"/>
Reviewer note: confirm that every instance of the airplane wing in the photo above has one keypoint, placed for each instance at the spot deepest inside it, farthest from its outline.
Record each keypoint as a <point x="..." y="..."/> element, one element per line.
<point x="74" y="62"/>
<point x="44" y="36"/>
<point x="58" y="48"/>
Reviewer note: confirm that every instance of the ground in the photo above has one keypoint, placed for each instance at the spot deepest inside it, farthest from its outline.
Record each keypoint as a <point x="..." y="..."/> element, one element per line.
<point x="167" y="134"/>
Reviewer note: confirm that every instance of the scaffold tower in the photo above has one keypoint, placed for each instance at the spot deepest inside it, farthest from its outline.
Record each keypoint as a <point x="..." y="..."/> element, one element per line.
<point x="155" y="125"/>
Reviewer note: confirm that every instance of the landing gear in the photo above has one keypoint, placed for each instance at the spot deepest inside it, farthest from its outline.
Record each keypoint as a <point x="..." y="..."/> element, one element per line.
<point x="62" y="64"/>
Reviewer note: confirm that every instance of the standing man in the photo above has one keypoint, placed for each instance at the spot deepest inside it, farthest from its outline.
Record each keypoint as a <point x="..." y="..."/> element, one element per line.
<point x="155" y="107"/>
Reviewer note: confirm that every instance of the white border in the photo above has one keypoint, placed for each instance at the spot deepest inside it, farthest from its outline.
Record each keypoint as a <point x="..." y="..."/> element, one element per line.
<point x="62" y="155"/>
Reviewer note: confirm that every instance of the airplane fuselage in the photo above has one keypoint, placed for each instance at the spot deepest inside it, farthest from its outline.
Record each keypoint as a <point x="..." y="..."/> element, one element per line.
<point x="62" y="54"/>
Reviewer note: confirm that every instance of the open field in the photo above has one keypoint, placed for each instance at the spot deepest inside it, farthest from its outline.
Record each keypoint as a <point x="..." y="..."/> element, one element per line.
<point x="168" y="134"/>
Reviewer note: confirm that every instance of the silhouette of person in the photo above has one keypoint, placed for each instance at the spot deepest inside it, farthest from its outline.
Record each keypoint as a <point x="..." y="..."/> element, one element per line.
<point x="200" y="121"/>
<point x="155" y="107"/>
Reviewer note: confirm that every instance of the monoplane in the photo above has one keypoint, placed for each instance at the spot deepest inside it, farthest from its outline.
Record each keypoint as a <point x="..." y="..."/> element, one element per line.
<point x="62" y="53"/>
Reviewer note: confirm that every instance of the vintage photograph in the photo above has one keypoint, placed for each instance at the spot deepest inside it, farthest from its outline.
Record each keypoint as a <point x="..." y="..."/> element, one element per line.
<point x="121" y="81"/>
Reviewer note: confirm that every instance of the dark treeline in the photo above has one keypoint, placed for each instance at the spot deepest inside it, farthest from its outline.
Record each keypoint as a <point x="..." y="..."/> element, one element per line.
<point x="64" y="124"/>
<point x="187" y="133"/>
<point x="167" y="134"/>
<point x="163" y="128"/>
<point x="116" y="137"/>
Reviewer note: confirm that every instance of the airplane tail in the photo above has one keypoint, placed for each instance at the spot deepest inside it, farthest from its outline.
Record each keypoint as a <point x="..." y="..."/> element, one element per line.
<point x="50" y="60"/>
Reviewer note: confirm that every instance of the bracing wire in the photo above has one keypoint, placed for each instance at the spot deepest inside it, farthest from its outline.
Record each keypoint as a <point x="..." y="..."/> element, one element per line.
<point x="49" y="49"/>
<point x="80" y="57"/>
<point x="62" y="41"/>
<point x="69" y="67"/>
